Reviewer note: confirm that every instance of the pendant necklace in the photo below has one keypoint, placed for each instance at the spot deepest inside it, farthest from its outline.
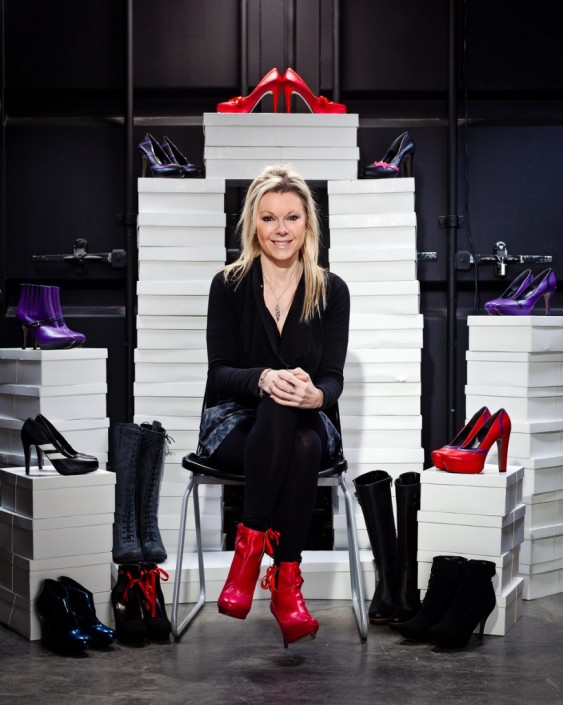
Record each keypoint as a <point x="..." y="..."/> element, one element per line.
<point x="277" y="308"/>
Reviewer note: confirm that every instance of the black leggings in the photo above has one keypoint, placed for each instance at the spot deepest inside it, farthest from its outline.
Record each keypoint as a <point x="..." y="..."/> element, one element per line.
<point x="280" y="453"/>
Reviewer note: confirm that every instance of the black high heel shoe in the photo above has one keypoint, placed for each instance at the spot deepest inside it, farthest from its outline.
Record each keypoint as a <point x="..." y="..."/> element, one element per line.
<point x="176" y="157"/>
<point x="159" y="162"/>
<point x="52" y="434"/>
<point x="156" y="619"/>
<point x="473" y="602"/>
<point x="82" y="604"/>
<point x="398" y="160"/>
<point x="33" y="434"/>
<point x="59" y="626"/>
<point x="126" y="600"/>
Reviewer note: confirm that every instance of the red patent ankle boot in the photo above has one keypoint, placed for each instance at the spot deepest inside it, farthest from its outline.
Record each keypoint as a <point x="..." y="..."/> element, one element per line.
<point x="287" y="604"/>
<point x="235" y="599"/>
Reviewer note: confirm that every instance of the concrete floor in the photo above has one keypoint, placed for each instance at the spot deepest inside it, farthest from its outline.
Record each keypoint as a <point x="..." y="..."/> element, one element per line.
<point x="225" y="661"/>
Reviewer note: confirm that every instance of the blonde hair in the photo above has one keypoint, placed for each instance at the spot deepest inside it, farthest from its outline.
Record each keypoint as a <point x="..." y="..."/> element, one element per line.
<point x="281" y="179"/>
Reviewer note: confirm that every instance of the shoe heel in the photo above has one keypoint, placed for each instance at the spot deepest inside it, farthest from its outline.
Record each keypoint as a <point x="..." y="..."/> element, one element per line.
<point x="482" y="626"/>
<point x="547" y="297"/>
<point x="407" y="166"/>
<point x="145" y="165"/>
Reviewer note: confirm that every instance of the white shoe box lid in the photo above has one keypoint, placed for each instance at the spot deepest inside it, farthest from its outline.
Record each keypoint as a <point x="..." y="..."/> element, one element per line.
<point x="238" y="169"/>
<point x="179" y="339"/>
<point x="544" y="509"/>
<point x="290" y="129"/>
<point x="377" y="298"/>
<point x="170" y="372"/>
<point x="25" y="577"/>
<point x="168" y="273"/>
<point x="542" y="544"/>
<point x="383" y="366"/>
<point x="19" y="614"/>
<point x="55" y="536"/>
<point x="446" y="532"/>
<point x="368" y="219"/>
<point x="514" y="369"/>
<point x="400" y="270"/>
<point x="77" y="401"/>
<point x="364" y="256"/>
<point x="182" y="390"/>
<point x="507" y="567"/>
<point x="46" y="494"/>
<point x="182" y="323"/>
<point x="382" y="322"/>
<point x="516" y="333"/>
<point x="376" y="238"/>
<point x="530" y="404"/>
<point x="376" y="457"/>
<point x="188" y="195"/>
<point x="370" y="186"/>
<point x="157" y="407"/>
<point x="182" y="254"/>
<point x="354" y="404"/>
<point x="487" y="493"/>
<point x="189" y="222"/>
<point x="47" y="368"/>
<point x="381" y="389"/>
<point x="169" y="307"/>
<point x="543" y="475"/>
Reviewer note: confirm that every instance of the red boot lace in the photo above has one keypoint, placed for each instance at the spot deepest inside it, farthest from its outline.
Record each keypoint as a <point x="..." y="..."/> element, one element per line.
<point x="147" y="583"/>
<point x="269" y="580"/>
<point x="270" y="536"/>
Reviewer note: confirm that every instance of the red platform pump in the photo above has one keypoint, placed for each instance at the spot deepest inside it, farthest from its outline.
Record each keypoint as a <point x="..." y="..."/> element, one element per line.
<point x="287" y="604"/>
<point x="294" y="84"/>
<point x="470" y="459"/>
<point x="269" y="85"/>
<point x="235" y="599"/>
<point x="464" y="437"/>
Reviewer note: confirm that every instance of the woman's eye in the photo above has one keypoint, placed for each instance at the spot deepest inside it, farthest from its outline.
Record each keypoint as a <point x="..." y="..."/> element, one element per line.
<point x="293" y="217"/>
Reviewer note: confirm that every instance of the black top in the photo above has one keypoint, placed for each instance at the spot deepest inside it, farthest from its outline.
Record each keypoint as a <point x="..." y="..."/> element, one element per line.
<point x="243" y="339"/>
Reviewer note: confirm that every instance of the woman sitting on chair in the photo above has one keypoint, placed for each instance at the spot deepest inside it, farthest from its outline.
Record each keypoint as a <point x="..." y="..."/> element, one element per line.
<point x="277" y="334"/>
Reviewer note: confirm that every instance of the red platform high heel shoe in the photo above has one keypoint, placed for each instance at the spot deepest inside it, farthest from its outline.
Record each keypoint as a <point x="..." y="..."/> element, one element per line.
<point x="464" y="437"/>
<point x="470" y="459"/>
<point x="293" y="83"/>
<point x="269" y="85"/>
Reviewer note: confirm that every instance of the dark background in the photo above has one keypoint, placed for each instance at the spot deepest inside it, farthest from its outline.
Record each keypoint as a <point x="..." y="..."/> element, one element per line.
<point x="63" y="141"/>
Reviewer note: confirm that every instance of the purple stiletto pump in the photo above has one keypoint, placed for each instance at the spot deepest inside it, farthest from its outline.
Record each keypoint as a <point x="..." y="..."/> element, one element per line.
<point x="512" y="292"/>
<point x="543" y="285"/>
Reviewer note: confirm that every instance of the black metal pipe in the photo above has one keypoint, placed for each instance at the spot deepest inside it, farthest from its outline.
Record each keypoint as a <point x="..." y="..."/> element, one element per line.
<point x="243" y="47"/>
<point x="336" y="50"/>
<point x="452" y="229"/>
<point x="130" y="218"/>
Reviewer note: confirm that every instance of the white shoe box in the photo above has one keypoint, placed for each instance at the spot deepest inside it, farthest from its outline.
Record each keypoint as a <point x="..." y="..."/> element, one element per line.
<point x="181" y="195"/>
<point x="364" y="256"/>
<point x="507" y="567"/>
<point x="176" y="339"/>
<point x="167" y="306"/>
<point x="56" y="536"/>
<point x="383" y="331"/>
<point x="169" y="399"/>
<point x="544" y="509"/>
<point x="284" y="129"/>
<point x="48" y="495"/>
<point x="507" y="611"/>
<point x="171" y="271"/>
<point x="172" y="229"/>
<point x="487" y="535"/>
<point x="542" y="579"/>
<point x="387" y="365"/>
<point x="390" y="459"/>
<point x="79" y="401"/>
<point x="525" y="404"/>
<point x="542" y="544"/>
<point x="543" y="475"/>
<point x="378" y="298"/>
<point x="52" y="368"/>
<point x="318" y="167"/>
<point x="487" y="493"/>
<point x="192" y="324"/>
<point x="374" y="431"/>
<point x="88" y="436"/>
<point x="188" y="255"/>
<point x="210" y="496"/>
<point x="384" y="403"/>
<point x="514" y="369"/>
<point x="391" y="271"/>
<point x="20" y="614"/>
<point x="376" y="238"/>
<point x="533" y="334"/>
<point x="373" y="196"/>
<point x="25" y="577"/>
<point x="539" y="439"/>
<point x="166" y="365"/>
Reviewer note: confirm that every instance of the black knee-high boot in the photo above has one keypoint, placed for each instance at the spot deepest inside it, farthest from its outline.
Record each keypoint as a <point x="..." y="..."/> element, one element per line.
<point x="407" y="497"/>
<point x="125" y="446"/>
<point x="149" y="474"/>
<point x="373" y="490"/>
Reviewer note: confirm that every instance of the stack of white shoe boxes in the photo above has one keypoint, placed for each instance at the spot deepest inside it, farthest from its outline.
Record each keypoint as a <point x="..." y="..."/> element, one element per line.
<point x="181" y="237"/>
<point x="516" y="362"/>
<point x="479" y="517"/>
<point x="373" y="248"/>
<point x="50" y="524"/>
<point x="318" y="147"/>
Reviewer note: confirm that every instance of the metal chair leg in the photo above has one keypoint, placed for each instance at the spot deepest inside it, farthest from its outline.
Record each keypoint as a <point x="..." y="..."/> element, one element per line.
<point x="356" y="578"/>
<point x="179" y="629"/>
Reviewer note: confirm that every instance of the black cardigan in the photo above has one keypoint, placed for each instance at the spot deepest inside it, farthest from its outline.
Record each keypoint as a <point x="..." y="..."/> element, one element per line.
<point x="243" y="339"/>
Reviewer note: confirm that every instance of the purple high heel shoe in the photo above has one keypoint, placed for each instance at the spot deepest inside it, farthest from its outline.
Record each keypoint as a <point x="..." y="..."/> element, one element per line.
<point x="512" y="292"/>
<point x="35" y="315"/>
<point x="543" y="285"/>
<point x="176" y="157"/>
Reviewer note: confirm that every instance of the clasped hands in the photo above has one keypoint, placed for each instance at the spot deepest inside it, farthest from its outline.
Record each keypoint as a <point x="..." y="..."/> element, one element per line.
<point x="292" y="388"/>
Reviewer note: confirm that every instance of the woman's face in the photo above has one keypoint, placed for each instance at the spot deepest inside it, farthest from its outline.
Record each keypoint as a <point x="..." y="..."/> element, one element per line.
<point x="280" y="226"/>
